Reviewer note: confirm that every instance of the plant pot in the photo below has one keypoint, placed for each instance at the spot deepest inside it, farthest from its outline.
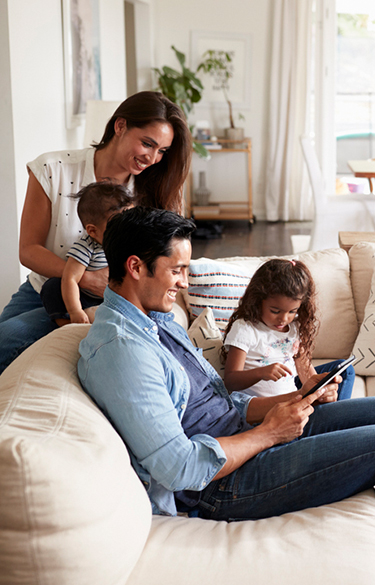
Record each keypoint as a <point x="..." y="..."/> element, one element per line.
<point x="234" y="134"/>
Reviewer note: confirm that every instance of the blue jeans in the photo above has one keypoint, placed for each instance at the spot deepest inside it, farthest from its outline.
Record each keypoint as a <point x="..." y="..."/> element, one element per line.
<point x="22" y="322"/>
<point x="53" y="301"/>
<point x="332" y="460"/>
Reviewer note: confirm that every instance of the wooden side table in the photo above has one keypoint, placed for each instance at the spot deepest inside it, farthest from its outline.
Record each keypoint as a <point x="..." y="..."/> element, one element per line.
<point x="348" y="239"/>
<point x="228" y="209"/>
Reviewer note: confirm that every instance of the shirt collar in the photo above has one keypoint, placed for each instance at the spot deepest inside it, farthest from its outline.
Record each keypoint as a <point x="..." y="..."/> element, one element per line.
<point x="131" y="312"/>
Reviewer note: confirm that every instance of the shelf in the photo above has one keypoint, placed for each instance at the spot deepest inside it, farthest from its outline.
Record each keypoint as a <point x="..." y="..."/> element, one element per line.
<point x="225" y="210"/>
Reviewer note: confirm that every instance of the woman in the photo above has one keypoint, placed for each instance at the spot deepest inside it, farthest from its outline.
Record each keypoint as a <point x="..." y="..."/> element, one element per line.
<point x="146" y="146"/>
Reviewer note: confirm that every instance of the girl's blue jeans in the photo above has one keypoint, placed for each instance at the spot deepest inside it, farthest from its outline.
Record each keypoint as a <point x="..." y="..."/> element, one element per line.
<point x="332" y="460"/>
<point x="22" y="322"/>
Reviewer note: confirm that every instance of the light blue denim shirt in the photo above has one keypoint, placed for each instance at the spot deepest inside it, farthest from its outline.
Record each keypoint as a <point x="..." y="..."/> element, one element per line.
<point x="143" y="390"/>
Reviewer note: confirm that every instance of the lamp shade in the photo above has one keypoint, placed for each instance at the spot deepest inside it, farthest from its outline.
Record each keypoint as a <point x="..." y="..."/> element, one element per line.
<point x="98" y="112"/>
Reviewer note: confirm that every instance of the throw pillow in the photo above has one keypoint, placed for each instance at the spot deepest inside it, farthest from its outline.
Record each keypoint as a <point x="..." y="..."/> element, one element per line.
<point x="364" y="347"/>
<point x="204" y="333"/>
<point x="218" y="285"/>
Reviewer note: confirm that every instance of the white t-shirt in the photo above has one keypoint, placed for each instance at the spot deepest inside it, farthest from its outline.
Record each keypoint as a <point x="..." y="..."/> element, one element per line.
<point x="60" y="174"/>
<point x="265" y="346"/>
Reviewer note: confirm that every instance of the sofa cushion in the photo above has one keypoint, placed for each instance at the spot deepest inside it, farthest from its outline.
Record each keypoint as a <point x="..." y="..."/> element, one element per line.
<point x="204" y="333"/>
<point x="72" y="510"/>
<point x="364" y="347"/>
<point x="333" y="545"/>
<point x="362" y="264"/>
<point x="219" y="284"/>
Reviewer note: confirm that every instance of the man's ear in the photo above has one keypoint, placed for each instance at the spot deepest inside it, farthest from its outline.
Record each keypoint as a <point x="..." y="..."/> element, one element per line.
<point x="134" y="267"/>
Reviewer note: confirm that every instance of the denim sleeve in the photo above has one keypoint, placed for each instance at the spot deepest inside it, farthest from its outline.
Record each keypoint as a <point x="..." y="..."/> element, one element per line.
<point x="141" y="395"/>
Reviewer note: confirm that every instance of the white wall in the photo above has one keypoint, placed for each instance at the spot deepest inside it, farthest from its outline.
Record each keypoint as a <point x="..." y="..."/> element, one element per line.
<point x="173" y="21"/>
<point x="32" y="108"/>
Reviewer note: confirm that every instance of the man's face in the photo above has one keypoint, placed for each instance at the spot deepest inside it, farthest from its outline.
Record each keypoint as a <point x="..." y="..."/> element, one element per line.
<point x="157" y="292"/>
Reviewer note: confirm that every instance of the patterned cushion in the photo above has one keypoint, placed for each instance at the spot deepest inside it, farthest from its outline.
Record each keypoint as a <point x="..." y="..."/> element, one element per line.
<point x="218" y="285"/>
<point x="364" y="347"/>
<point x="204" y="333"/>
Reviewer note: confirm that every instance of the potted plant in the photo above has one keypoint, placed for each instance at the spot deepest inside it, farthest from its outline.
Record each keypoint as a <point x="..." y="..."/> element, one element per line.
<point x="183" y="88"/>
<point x="219" y="65"/>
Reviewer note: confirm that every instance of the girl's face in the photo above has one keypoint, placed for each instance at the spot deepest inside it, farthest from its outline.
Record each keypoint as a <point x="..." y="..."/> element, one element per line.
<point x="279" y="311"/>
<point x="139" y="148"/>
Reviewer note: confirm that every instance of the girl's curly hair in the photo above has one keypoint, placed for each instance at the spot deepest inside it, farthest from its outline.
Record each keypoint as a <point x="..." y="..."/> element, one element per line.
<point x="287" y="278"/>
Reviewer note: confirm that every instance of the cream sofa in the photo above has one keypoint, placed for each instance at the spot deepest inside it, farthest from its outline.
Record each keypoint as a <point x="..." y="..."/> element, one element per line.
<point x="72" y="510"/>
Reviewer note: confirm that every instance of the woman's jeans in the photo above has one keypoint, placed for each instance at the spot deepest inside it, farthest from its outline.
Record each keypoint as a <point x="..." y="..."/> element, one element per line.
<point x="333" y="459"/>
<point x="22" y="322"/>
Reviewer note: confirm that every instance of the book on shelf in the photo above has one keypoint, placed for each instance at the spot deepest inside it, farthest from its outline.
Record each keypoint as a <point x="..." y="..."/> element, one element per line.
<point x="212" y="145"/>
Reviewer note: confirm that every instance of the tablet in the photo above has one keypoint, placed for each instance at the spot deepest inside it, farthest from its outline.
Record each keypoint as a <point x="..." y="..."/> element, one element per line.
<point x="330" y="375"/>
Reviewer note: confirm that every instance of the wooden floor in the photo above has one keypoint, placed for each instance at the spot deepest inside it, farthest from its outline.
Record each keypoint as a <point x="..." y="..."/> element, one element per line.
<point x="238" y="239"/>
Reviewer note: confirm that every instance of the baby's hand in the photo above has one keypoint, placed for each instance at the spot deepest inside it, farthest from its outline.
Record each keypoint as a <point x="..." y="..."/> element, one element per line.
<point x="275" y="371"/>
<point x="79" y="317"/>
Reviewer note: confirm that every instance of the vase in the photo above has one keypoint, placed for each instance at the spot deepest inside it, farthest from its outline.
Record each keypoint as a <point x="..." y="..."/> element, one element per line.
<point x="234" y="134"/>
<point x="202" y="193"/>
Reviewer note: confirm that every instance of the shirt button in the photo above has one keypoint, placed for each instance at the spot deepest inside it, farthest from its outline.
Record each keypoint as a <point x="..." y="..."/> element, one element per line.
<point x="182" y="368"/>
<point x="155" y="328"/>
<point x="204" y="483"/>
<point x="183" y="406"/>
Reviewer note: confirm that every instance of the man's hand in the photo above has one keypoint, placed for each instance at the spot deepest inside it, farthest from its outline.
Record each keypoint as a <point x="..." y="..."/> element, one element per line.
<point x="286" y="420"/>
<point x="275" y="371"/>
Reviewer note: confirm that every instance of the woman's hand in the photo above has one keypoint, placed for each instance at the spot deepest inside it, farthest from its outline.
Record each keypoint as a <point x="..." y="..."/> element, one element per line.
<point x="95" y="281"/>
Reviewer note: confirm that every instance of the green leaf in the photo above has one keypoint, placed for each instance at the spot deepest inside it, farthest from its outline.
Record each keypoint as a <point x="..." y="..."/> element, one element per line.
<point x="180" y="56"/>
<point x="201" y="150"/>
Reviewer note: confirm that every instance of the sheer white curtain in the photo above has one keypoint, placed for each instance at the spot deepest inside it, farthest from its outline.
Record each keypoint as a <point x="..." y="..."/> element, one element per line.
<point x="287" y="190"/>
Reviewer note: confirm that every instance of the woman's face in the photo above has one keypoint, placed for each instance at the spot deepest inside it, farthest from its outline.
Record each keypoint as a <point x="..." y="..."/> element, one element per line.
<point x="139" y="148"/>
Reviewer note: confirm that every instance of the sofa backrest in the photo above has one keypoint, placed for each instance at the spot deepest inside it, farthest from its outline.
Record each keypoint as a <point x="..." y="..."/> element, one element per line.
<point x="220" y="283"/>
<point x="72" y="509"/>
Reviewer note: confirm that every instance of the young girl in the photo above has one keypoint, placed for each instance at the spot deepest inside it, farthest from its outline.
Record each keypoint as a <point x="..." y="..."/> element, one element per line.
<point x="269" y="338"/>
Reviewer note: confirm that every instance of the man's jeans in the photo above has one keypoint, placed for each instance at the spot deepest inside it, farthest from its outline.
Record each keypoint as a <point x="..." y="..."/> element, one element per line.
<point x="22" y="322"/>
<point x="333" y="459"/>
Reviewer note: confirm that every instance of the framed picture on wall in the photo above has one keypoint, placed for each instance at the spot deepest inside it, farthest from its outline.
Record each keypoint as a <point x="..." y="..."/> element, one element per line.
<point x="81" y="57"/>
<point x="238" y="47"/>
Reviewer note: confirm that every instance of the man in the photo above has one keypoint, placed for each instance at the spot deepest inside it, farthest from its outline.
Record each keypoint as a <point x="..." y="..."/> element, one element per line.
<point x="194" y="447"/>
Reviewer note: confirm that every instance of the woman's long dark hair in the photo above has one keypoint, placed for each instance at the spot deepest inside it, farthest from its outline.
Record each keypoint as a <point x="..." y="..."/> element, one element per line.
<point x="160" y="185"/>
<point x="287" y="278"/>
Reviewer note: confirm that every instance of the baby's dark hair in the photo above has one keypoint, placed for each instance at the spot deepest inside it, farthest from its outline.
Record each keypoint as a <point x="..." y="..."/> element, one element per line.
<point x="98" y="200"/>
<point x="288" y="278"/>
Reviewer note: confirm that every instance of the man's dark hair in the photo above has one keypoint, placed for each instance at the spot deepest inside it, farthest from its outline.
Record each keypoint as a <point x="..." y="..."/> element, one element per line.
<point x="144" y="232"/>
<point x="97" y="200"/>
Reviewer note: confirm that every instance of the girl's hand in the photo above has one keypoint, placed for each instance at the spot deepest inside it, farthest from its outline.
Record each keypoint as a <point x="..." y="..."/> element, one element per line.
<point x="95" y="281"/>
<point x="275" y="372"/>
<point x="329" y="392"/>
